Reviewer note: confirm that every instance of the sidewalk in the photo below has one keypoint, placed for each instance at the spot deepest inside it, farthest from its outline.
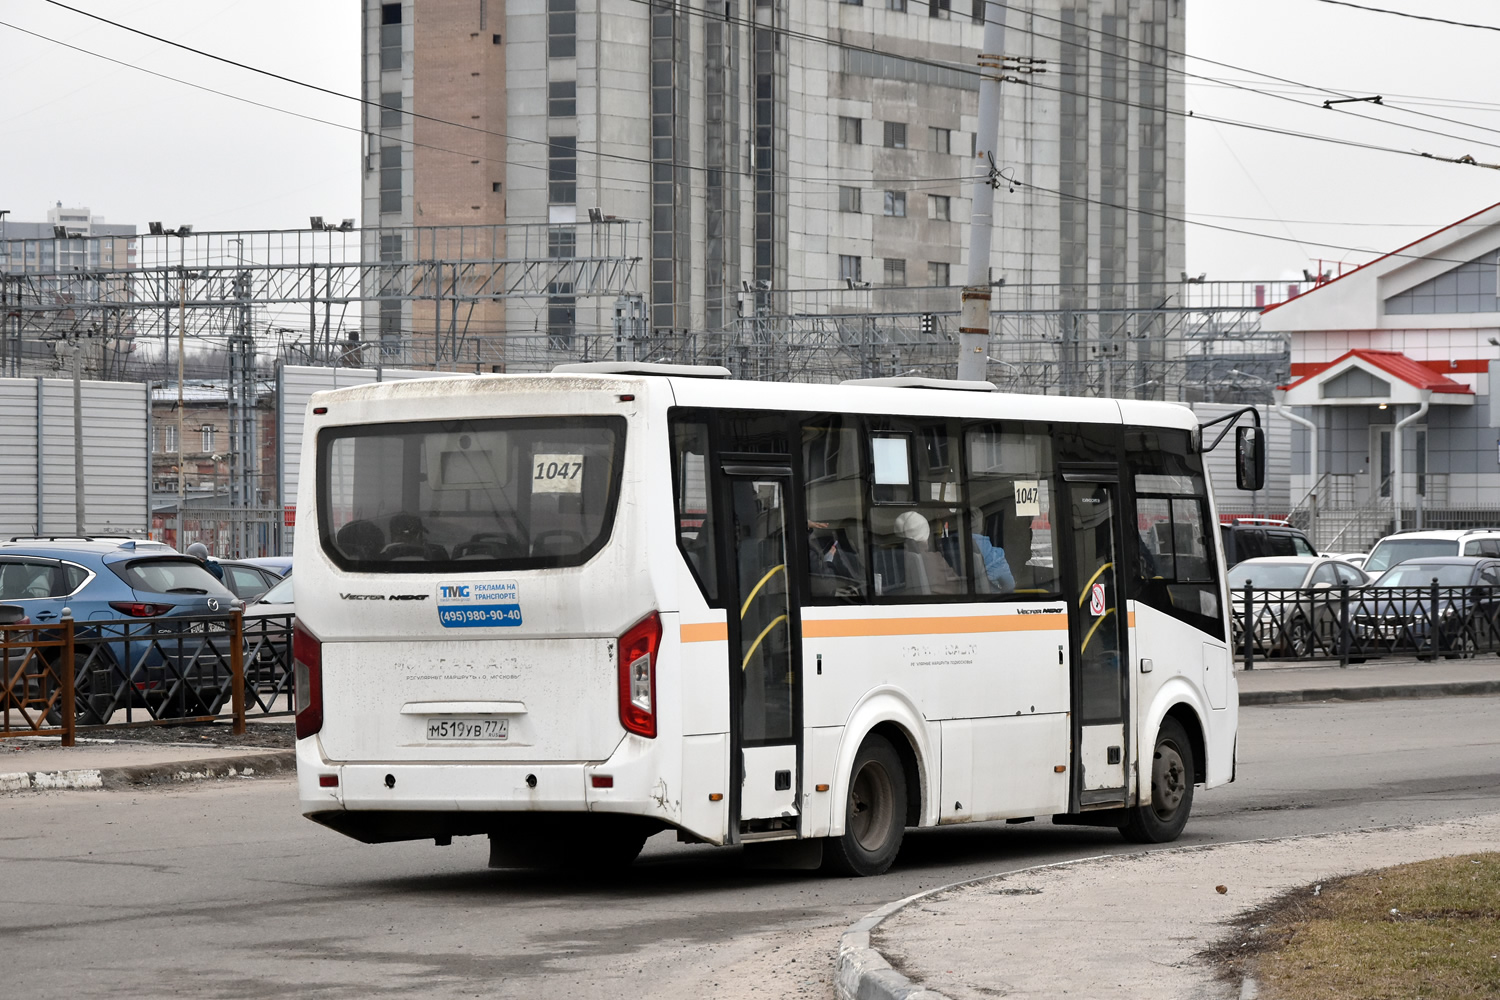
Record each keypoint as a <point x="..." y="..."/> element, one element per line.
<point x="122" y="758"/>
<point x="1125" y="926"/>
<point x="1275" y="684"/>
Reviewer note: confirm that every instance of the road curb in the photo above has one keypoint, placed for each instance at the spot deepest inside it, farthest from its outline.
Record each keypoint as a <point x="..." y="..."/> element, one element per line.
<point x="1377" y="692"/>
<point x="862" y="972"/>
<point x="170" y="772"/>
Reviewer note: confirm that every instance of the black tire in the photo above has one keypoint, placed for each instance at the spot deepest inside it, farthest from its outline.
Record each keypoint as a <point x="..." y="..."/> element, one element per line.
<point x="1461" y="645"/>
<point x="1300" y="638"/>
<point x="1172" y="770"/>
<point x="874" y="813"/>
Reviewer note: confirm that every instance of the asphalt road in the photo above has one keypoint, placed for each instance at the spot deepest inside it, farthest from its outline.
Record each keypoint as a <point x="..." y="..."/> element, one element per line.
<point x="222" y="890"/>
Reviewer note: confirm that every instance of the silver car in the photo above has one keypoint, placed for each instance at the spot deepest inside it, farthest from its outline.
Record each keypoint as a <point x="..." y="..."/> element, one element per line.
<point x="1296" y="600"/>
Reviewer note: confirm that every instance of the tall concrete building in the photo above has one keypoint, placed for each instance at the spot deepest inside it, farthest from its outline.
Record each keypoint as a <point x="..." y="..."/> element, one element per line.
<point x="795" y="146"/>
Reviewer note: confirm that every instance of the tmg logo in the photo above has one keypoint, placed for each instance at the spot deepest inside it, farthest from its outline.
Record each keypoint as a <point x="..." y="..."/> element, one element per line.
<point x="454" y="591"/>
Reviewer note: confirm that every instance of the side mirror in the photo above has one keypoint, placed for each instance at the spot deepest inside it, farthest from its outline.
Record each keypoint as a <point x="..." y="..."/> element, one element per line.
<point x="1249" y="458"/>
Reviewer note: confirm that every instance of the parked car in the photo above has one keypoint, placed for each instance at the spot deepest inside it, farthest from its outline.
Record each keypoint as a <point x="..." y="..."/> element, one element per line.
<point x="102" y="581"/>
<point x="1403" y="545"/>
<point x="1255" y="538"/>
<point x="1352" y="558"/>
<point x="279" y="600"/>
<point x="247" y="580"/>
<point x="1300" y="612"/>
<point x="280" y="565"/>
<point x="1399" y="611"/>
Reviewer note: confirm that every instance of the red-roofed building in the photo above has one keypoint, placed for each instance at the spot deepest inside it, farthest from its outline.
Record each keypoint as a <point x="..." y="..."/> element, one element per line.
<point x="1391" y="366"/>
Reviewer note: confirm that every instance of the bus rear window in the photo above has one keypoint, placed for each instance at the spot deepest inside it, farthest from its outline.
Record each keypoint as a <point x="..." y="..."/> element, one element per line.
<point x="469" y="495"/>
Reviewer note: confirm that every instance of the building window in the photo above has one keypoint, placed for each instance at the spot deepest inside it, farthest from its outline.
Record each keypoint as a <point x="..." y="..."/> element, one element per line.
<point x="895" y="204"/>
<point x="939" y="8"/>
<point x="940" y="207"/>
<point x="849" y="269"/>
<point x="562" y="243"/>
<point x="390" y="247"/>
<point x="896" y="5"/>
<point x="562" y="29"/>
<point x="562" y="170"/>
<point x="937" y="273"/>
<point x="895" y="271"/>
<point x="848" y="199"/>
<point x="207" y="434"/>
<point x="390" y="36"/>
<point x="852" y="3"/>
<point x="562" y="98"/>
<point x="390" y="179"/>
<point x="976" y="11"/>
<point x="560" y="315"/>
<point x="850" y="130"/>
<point x="390" y="110"/>
<point x="895" y="135"/>
<point x="166" y="437"/>
<point x="940" y="140"/>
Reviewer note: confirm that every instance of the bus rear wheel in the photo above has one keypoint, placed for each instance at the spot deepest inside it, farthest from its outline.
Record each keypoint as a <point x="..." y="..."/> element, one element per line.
<point x="1172" y="770"/>
<point x="874" y="813"/>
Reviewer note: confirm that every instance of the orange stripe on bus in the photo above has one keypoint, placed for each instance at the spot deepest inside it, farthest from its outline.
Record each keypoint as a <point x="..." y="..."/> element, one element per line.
<point x="837" y="628"/>
<point x="706" y="632"/>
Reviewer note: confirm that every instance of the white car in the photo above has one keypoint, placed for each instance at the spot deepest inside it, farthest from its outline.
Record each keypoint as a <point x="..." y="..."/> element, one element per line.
<point x="1352" y="558"/>
<point x="1404" y="545"/>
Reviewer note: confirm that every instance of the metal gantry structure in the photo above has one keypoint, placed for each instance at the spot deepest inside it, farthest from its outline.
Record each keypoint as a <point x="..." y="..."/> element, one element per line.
<point x="522" y="298"/>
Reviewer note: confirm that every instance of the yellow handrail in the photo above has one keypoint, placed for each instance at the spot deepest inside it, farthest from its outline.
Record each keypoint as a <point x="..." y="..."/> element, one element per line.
<point x="1086" y="638"/>
<point x="756" y="644"/>
<point x="756" y="589"/>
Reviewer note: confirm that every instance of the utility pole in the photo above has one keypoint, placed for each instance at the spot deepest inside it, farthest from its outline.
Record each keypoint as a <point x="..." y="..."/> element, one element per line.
<point x="974" y="318"/>
<point x="78" y="502"/>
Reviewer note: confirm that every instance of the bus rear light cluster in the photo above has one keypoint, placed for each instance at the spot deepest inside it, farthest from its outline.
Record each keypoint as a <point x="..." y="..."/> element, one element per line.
<point x="638" y="648"/>
<point x="307" y="676"/>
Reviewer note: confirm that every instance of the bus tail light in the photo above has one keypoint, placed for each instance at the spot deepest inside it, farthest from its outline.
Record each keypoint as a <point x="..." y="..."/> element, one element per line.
<point x="638" y="648"/>
<point x="307" y="676"/>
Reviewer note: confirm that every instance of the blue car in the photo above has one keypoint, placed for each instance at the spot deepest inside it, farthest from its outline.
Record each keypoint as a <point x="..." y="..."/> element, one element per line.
<point x="107" y="585"/>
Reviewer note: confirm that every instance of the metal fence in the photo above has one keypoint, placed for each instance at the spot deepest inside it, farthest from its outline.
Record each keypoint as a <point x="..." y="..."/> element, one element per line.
<point x="1352" y="625"/>
<point x="66" y="676"/>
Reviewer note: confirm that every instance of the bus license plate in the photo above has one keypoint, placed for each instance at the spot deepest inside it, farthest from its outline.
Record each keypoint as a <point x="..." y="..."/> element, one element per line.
<point x="468" y="729"/>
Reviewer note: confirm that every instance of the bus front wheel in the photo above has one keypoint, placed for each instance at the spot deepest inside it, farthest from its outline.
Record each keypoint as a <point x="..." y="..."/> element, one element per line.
<point x="874" y="813"/>
<point x="1172" y="769"/>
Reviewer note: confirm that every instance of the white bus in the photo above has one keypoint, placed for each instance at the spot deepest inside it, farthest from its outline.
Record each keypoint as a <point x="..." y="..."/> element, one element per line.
<point x="569" y="611"/>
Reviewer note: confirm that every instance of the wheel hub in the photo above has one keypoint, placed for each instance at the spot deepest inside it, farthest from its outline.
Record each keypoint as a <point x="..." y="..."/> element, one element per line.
<point x="1168" y="781"/>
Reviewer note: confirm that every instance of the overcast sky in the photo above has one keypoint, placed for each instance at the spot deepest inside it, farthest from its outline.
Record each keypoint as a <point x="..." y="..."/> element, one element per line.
<point x="137" y="148"/>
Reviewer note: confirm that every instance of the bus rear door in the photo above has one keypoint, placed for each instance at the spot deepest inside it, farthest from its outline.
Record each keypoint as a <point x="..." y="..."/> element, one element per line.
<point x="764" y="639"/>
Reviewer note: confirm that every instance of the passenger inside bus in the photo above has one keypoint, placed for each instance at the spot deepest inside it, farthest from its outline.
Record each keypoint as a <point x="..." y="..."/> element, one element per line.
<point x="926" y="571"/>
<point x="991" y="557"/>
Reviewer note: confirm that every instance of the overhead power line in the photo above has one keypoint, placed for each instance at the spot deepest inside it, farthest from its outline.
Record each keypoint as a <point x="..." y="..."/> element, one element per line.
<point x="1414" y="17"/>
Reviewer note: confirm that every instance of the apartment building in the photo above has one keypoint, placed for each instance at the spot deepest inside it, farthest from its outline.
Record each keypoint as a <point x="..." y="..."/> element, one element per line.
<point x="776" y="145"/>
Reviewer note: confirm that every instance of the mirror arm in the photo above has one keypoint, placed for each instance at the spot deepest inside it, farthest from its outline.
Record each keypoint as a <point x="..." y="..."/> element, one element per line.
<point x="1231" y="417"/>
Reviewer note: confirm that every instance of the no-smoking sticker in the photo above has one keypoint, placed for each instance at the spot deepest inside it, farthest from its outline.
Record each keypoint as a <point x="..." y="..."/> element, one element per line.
<point x="1096" y="600"/>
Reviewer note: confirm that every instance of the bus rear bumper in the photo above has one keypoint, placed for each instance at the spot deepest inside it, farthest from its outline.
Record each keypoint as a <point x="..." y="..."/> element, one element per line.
<point x="379" y="802"/>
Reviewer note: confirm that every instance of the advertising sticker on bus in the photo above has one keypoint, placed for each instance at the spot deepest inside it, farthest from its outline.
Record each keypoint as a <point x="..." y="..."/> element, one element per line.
<point x="484" y="604"/>
<point x="1096" y="600"/>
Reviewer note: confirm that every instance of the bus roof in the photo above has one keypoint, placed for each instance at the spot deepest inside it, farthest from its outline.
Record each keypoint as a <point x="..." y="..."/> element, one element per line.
<point x="926" y="399"/>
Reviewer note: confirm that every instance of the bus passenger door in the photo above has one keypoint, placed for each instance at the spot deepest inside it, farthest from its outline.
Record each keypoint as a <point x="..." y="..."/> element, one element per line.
<point x="764" y="637"/>
<point x="1098" y="634"/>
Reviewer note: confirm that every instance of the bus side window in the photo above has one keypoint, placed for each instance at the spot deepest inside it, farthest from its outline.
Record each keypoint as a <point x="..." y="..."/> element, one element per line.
<point x="693" y="504"/>
<point x="1009" y="473"/>
<point x="834" y="494"/>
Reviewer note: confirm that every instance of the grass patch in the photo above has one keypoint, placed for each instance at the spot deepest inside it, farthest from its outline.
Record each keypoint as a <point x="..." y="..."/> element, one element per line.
<point x="1428" y="930"/>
